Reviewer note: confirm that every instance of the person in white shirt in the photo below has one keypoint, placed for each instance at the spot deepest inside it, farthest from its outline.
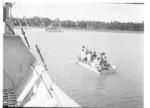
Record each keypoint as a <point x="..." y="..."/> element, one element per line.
<point x="89" y="55"/>
<point x="83" y="55"/>
<point x="104" y="59"/>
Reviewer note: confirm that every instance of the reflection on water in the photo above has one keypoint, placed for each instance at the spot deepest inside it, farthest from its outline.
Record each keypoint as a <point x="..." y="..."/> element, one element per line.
<point x="123" y="89"/>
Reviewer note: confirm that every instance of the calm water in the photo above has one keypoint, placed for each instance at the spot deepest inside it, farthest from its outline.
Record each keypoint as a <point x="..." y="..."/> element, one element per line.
<point x="123" y="89"/>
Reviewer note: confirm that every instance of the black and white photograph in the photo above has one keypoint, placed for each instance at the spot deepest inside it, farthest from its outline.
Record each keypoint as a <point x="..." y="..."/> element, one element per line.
<point x="73" y="54"/>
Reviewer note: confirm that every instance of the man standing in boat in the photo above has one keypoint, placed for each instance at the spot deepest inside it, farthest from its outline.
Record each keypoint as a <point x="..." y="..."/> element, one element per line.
<point x="83" y="54"/>
<point x="89" y="55"/>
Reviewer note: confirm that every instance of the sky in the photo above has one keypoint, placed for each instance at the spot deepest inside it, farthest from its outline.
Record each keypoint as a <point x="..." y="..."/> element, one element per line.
<point x="81" y="11"/>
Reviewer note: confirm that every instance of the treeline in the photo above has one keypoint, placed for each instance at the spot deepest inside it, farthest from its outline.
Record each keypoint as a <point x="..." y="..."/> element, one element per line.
<point x="89" y="25"/>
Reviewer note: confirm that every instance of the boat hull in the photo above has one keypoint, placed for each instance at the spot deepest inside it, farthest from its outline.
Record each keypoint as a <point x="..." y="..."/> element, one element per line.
<point x="110" y="69"/>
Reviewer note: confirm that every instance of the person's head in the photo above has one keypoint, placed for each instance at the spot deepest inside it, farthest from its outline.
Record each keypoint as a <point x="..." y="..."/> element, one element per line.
<point x="83" y="46"/>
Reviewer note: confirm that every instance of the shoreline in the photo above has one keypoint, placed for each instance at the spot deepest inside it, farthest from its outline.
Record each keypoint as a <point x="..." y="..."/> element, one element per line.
<point x="103" y="30"/>
<point x="88" y="30"/>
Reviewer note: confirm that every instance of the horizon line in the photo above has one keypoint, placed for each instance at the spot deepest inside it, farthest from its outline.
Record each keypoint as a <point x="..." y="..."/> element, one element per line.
<point x="83" y="20"/>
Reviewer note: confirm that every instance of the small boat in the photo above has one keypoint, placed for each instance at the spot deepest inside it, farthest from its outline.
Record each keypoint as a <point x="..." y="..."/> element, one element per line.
<point x="54" y="27"/>
<point x="107" y="68"/>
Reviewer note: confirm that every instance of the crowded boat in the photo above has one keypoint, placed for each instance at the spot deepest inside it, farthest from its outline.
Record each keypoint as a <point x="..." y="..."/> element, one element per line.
<point x="95" y="60"/>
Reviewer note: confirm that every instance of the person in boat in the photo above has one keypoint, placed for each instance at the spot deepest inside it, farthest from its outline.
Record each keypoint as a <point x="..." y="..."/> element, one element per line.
<point x="84" y="49"/>
<point x="98" y="66"/>
<point x="104" y="62"/>
<point x="104" y="59"/>
<point x="89" y="55"/>
<point x="95" y="64"/>
<point x="101" y="60"/>
<point x="94" y="55"/>
<point x="83" y="56"/>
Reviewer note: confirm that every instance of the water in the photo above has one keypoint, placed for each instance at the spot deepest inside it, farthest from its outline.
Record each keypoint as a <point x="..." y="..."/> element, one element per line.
<point x="123" y="89"/>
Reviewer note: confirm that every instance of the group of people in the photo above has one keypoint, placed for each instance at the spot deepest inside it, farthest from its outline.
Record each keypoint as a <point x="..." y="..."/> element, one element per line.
<point x="97" y="60"/>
